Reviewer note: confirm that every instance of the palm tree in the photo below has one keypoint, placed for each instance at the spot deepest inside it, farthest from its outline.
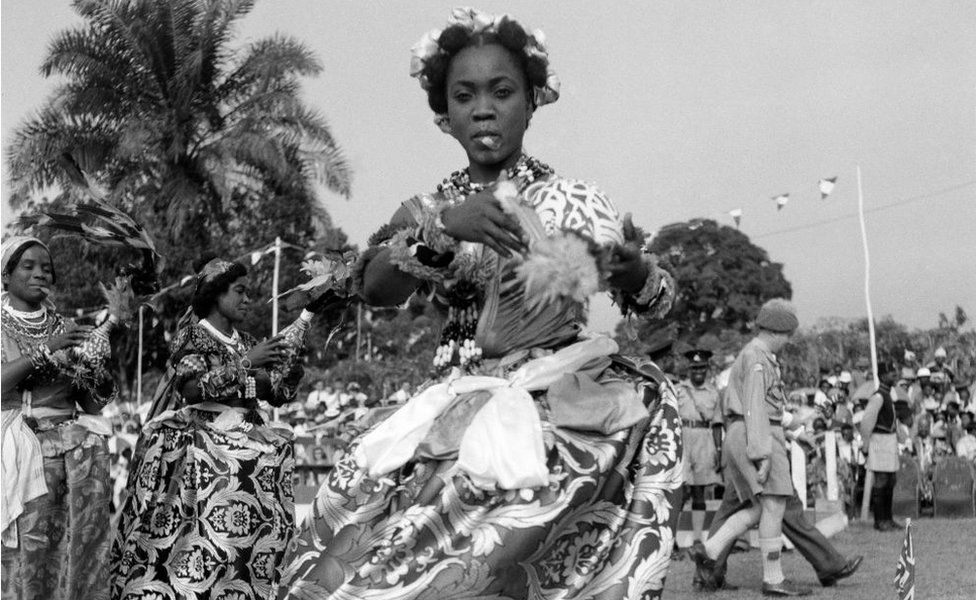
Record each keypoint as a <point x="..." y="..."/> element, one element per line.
<point x="206" y="143"/>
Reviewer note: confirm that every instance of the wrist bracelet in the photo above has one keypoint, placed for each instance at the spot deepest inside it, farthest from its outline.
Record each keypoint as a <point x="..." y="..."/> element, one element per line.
<point x="431" y="230"/>
<point x="250" y="388"/>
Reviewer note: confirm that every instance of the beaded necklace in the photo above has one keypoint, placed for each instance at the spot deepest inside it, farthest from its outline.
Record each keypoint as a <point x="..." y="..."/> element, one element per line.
<point x="465" y="296"/>
<point x="458" y="186"/>
<point x="29" y="327"/>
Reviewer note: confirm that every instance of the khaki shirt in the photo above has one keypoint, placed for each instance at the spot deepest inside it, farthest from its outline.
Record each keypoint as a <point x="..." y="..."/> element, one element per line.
<point x="697" y="403"/>
<point x="755" y="393"/>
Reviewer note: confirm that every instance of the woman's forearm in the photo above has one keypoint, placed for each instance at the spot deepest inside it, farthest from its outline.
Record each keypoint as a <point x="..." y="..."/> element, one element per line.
<point x="14" y="372"/>
<point x="386" y="285"/>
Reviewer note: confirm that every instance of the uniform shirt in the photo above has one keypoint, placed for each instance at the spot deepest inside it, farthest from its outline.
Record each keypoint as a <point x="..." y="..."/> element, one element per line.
<point x="697" y="403"/>
<point x="755" y="393"/>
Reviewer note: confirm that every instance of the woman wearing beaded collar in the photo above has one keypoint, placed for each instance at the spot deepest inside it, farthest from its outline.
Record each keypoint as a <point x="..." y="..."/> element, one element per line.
<point x="537" y="464"/>
<point x="55" y="457"/>
<point x="210" y="508"/>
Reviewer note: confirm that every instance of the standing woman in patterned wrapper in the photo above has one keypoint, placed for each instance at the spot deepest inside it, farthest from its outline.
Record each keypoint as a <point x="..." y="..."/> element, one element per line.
<point x="55" y="480"/>
<point x="538" y="464"/>
<point x="210" y="508"/>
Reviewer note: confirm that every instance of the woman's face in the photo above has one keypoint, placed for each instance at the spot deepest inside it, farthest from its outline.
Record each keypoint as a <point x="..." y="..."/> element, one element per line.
<point x="31" y="278"/>
<point x="234" y="303"/>
<point x="488" y="106"/>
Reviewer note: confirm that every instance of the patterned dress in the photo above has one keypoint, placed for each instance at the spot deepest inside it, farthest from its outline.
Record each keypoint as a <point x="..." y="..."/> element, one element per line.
<point x="602" y="526"/>
<point x="56" y="548"/>
<point x="210" y="505"/>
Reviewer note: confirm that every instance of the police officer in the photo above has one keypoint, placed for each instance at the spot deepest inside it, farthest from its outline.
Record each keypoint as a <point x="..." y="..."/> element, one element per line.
<point x="701" y="430"/>
<point x="879" y="432"/>
<point x="756" y="462"/>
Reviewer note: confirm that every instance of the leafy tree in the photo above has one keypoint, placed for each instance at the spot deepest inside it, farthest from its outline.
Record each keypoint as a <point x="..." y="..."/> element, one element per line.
<point x="722" y="280"/>
<point x="207" y="144"/>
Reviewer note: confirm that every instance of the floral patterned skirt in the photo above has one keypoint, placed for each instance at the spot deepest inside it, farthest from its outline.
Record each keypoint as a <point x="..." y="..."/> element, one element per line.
<point x="209" y="510"/>
<point x="63" y="541"/>
<point x="604" y="527"/>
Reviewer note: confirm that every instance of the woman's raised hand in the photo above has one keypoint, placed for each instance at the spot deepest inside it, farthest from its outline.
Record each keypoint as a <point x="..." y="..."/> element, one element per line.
<point x="480" y="219"/>
<point x="626" y="267"/>
<point x="74" y="336"/>
<point x="267" y="352"/>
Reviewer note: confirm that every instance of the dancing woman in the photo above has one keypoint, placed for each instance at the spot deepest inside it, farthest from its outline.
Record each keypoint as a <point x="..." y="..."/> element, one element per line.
<point x="56" y="488"/>
<point x="539" y="465"/>
<point x="210" y="505"/>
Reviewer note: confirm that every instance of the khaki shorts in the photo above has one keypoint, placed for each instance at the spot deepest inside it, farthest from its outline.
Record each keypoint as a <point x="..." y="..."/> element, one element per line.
<point x="741" y="473"/>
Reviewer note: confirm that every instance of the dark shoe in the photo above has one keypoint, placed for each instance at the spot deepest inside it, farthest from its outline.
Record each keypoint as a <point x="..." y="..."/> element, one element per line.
<point x="848" y="569"/>
<point x="704" y="571"/>
<point x="885" y="526"/>
<point x="784" y="588"/>
<point x="895" y="524"/>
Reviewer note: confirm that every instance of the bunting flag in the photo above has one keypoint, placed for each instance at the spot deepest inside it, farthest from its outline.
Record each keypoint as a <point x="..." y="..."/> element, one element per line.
<point x="826" y="187"/>
<point x="257" y="254"/>
<point x="736" y="216"/>
<point x="781" y="201"/>
<point x="905" y="571"/>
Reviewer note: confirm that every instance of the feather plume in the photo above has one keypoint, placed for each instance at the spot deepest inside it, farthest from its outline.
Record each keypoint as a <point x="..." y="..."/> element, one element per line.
<point x="325" y="274"/>
<point x="120" y="297"/>
<point x="98" y="222"/>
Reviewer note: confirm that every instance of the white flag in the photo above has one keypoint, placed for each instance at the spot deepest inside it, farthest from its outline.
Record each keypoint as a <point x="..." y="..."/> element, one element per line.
<point x="736" y="216"/>
<point x="826" y="187"/>
<point x="256" y="256"/>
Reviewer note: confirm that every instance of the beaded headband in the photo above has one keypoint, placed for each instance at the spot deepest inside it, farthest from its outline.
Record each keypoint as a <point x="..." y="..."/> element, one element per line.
<point x="476" y="21"/>
<point x="15" y="243"/>
<point x="215" y="268"/>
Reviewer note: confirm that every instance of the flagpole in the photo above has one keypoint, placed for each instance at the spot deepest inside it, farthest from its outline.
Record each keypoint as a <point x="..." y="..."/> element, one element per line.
<point x="867" y="278"/>
<point x="869" y="474"/>
<point x="139" y="363"/>
<point x="274" y="301"/>
<point x="274" y="285"/>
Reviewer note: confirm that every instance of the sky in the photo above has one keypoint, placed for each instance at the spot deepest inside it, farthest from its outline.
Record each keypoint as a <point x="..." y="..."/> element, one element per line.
<point x="677" y="111"/>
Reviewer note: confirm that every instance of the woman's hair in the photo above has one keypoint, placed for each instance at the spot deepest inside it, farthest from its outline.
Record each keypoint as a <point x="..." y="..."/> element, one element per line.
<point x="19" y="252"/>
<point x="212" y="285"/>
<point x="509" y="35"/>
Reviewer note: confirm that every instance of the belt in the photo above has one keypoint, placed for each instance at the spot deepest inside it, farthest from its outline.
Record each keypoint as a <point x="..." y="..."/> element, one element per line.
<point x="732" y="418"/>
<point x="695" y="424"/>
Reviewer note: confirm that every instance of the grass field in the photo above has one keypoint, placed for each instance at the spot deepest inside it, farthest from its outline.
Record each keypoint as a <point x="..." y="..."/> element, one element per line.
<point x="945" y="565"/>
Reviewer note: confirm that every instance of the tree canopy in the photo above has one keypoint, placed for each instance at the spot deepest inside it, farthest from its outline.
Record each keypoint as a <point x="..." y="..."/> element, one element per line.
<point x="722" y="280"/>
<point x="205" y="142"/>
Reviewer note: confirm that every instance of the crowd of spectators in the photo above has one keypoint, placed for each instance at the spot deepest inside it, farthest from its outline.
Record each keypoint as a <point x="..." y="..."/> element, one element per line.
<point x="936" y="418"/>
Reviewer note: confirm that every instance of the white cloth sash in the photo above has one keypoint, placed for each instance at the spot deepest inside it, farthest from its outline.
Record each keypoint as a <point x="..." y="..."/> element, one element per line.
<point x="23" y="471"/>
<point x="503" y="445"/>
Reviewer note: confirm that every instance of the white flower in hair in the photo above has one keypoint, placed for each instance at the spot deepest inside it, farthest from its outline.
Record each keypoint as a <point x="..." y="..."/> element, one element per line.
<point x="476" y="22"/>
<point x="423" y="50"/>
<point x="473" y="19"/>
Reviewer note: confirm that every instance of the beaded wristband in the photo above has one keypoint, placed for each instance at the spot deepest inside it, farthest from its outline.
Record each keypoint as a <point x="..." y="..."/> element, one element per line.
<point x="656" y="295"/>
<point x="410" y="255"/>
<point x="431" y="230"/>
<point x="42" y="361"/>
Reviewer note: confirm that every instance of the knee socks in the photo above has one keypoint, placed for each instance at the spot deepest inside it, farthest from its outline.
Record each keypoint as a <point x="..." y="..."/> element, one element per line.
<point x="772" y="568"/>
